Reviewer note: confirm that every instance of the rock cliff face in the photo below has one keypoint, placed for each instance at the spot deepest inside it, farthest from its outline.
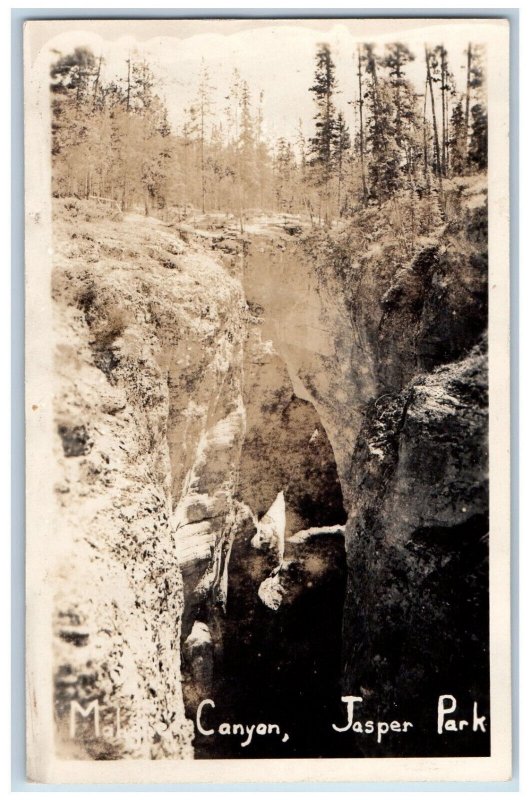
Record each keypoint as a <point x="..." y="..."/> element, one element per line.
<point x="308" y="322"/>
<point x="150" y="422"/>
<point x="416" y="610"/>
<point x="286" y="447"/>
<point x="387" y="342"/>
<point x="199" y="374"/>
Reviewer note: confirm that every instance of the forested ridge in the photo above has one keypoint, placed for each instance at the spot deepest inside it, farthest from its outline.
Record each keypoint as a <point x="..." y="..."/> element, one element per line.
<point x="113" y="138"/>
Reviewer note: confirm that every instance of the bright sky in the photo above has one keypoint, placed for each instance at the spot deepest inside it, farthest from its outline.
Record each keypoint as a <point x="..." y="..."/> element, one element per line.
<point x="276" y="57"/>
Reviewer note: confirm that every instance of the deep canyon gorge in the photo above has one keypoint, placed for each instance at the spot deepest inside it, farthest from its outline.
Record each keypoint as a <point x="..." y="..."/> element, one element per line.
<point x="200" y="372"/>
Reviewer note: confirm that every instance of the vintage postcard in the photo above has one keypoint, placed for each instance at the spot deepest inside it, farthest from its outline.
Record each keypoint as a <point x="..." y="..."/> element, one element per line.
<point x="267" y="282"/>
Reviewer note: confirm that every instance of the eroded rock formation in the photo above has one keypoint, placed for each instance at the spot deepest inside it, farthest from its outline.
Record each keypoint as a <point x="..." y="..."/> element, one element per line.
<point x="200" y="373"/>
<point x="388" y="346"/>
<point x="150" y="424"/>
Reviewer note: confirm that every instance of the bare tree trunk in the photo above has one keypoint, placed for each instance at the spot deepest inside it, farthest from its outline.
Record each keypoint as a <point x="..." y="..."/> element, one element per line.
<point x="361" y="127"/>
<point x="78" y="89"/>
<point x="425" y="148"/>
<point x="203" y="176"/>
<point x="434" y="123"/>
<point x="96" y="83"/>
<point x="128" y="104"/>
<point x="339" y="178"/>
<point x="468" y="96"/>
<point x="447" y="148"/>
<point x="307" y="203"/>
<point x="443" y="91"/>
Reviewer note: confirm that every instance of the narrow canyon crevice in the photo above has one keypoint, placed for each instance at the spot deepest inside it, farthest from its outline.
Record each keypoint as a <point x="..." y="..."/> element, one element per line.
<point x="392" y="357"/>
<point x="280" y="666"/>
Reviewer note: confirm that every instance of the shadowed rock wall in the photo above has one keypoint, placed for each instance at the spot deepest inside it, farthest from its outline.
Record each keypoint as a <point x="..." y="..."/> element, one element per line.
<point x="388" y="345"/>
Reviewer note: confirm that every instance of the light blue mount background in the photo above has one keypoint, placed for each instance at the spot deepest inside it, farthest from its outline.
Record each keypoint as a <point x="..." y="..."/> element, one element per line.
<point x="18" y="17"/>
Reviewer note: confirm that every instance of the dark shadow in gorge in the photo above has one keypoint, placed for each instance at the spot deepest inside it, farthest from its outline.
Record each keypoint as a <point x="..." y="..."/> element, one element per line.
<point x="282" y="667"/>
<point x="407" y="656"/>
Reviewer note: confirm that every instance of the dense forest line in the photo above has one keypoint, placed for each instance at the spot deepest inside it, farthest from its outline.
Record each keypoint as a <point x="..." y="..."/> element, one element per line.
<point x="113" y="138"/>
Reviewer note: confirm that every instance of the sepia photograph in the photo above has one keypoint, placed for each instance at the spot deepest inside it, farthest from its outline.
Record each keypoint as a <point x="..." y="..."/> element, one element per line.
<point x="267" y="275"/>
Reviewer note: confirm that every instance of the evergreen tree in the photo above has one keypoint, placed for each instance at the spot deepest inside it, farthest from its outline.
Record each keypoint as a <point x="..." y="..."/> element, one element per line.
<point x="323" y="143"/>
<point x="262" y="155"/>
<point x="72" y="74"/>
<point x="108" y="139"/>
<point x="360" y="145"/>
<point x="284" y="174"/>
<point x="478" y="142"/>
<point x="458" y="140"/>
<point x="384" y="159"/>
<point x="341" y="146"/>
<point x="431" y="65"/>
<point x="325" y="119"/>
<point x="478" y="131"/>
<point x="397" y="56"/>
<point x="113" y="138"/>
<point x="247" y="145"/>
<point x="204" y="107"/>
<point x="406" y="119"/>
